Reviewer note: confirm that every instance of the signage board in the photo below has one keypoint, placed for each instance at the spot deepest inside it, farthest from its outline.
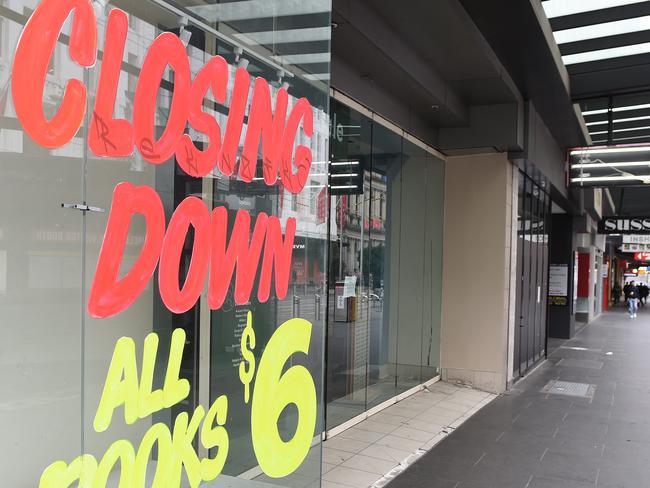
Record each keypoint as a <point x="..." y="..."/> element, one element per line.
<point x="559" y="301"/>
<point x="642" y="256"/>
<point x="259" y="247"/>
<point x="635" y="248"/>
<point x="558" y="280"/>
<point x="624" y="225"/>
<point x="636" y="239"/>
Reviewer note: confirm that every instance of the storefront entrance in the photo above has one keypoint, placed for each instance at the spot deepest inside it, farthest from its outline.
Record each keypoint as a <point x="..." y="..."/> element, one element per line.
<point x="383" y="333"/>
<point x="533" y="217"/>
<point x="211" y="251"/>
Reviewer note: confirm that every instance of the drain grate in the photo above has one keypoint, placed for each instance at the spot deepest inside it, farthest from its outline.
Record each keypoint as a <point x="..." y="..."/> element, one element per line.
<point x="569" y="388"/>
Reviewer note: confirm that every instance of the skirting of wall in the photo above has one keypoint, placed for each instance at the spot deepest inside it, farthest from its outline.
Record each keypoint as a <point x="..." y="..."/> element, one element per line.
<point x="481" y="380"/>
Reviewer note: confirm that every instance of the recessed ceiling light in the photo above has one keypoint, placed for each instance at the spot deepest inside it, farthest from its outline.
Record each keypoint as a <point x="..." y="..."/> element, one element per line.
<point x="604" y="29"/>
<point x="595" y="112"/>
<point x="613" y="52"/>
<point x="560" y="8"/>
<point x="611" y="178"/>
<point x="609" y="150"/>
<point x="613" y="165"/>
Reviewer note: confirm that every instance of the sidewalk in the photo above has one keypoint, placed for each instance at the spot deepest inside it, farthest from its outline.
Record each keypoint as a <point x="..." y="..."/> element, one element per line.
<point x="532" y="438"/>
<point x="363" y="455"/>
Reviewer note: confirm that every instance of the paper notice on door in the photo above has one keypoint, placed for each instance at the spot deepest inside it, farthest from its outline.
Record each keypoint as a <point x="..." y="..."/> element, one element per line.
<point x="350" y="287"/>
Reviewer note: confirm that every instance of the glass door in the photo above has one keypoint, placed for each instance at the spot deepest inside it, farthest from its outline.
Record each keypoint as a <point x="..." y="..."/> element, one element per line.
<point x="41" y="249"/>
<point x="350" y="275"/>
<point x="247" y="237"/>
<point x="386" y="189"/>
<point x="163" y="237"/>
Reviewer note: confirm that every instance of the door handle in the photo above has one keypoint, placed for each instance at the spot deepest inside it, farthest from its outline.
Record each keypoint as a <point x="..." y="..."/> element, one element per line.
<point x="82" y="207"/>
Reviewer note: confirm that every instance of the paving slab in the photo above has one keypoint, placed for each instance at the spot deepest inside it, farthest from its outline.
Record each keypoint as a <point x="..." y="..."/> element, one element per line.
<point x="532" y="437"/>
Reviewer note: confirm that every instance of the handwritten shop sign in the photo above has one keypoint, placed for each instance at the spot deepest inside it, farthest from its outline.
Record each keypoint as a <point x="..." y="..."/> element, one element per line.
<point x="262" y="246"/>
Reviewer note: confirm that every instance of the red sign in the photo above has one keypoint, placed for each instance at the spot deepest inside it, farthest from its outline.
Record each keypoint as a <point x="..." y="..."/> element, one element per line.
<point x="110" y="137"/>
<point x="119" y="137"/>
<point x="642" y="256"/>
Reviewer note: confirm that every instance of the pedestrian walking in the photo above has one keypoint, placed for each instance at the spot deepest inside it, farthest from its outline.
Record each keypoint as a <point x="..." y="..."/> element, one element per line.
<point x="632" y="300"/>
<point x="643" y="293"/>
<point x="616" y="293"/>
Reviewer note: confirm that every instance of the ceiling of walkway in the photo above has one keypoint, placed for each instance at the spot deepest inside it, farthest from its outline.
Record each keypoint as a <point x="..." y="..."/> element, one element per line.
<point x="605" y="46"/>
<point x="442" y="59"/>
<point x="428" y="55"/>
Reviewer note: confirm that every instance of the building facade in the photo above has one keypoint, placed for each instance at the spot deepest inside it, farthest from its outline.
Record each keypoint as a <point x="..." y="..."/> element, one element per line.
<point x="232" y="230"/>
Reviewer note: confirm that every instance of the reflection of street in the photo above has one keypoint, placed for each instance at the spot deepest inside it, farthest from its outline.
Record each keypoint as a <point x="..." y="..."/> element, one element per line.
<point x="358" y="369"/>
<point x="302" y="301"/>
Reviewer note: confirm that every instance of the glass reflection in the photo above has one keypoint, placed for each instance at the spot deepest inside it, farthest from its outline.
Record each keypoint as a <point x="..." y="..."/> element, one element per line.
<point x="385" y="265"/>
<point x="59" y="355"/>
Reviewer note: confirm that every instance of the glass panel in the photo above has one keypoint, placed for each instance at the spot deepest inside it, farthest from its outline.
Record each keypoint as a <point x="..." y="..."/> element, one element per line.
<point x="540" y="325"/>
<point x="237" y="342"/>
<point x="413" y="212"/>
<point x="521" y="221"/>
<point x="432" y="289"/>
<point x="545" y="257"/>
<point x="40" y="276"/>
<point x="526" y="283"/>
<point x="389" y="242"/>
<point x="347" y="335"/>
<point x="386" y="168"/>
<point x="534" y="275"/>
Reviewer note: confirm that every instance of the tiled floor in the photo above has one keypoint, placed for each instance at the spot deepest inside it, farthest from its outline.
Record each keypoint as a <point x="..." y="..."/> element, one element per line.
<point x="363" y="454"/>
<point x="531" y="439"/>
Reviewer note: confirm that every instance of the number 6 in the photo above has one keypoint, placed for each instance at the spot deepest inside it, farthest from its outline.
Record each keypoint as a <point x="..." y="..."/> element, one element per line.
<point x="274" y="391"/>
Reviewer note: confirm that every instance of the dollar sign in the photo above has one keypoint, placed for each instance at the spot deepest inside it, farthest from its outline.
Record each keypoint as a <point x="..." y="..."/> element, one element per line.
<point x="247" y="339"/>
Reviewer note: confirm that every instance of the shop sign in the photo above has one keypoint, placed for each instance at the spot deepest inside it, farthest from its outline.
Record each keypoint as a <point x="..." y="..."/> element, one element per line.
<point x="558" y="280"/>
<point x="558" y="301"/>
<point x="636" y="239"/>
<point x="260" y="248"/>
<point x="642" y="256"/>
<point x="624" y="225"/>
<point x="635" y="248"/>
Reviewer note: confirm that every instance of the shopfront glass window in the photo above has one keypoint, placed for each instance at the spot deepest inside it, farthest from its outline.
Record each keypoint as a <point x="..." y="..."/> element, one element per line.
<point x="163" y="254"/>
<point x="347" y="328"/>
<point x="384" y="327"/>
